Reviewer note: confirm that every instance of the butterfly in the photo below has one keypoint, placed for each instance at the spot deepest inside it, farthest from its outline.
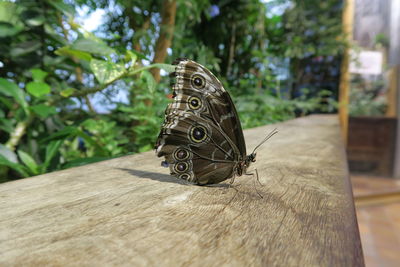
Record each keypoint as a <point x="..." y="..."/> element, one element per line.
<point x="201" y="137"/>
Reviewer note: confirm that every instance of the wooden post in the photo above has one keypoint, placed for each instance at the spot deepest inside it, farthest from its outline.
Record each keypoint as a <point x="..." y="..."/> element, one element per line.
<point x="392" y="92"/>
<point x="344" y="87"/>
<point x="394" y="60"/>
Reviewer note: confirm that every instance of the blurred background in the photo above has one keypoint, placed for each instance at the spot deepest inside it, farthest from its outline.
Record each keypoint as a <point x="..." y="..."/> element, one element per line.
<point x="77" y="84"/>
<point x="84" y="81"/>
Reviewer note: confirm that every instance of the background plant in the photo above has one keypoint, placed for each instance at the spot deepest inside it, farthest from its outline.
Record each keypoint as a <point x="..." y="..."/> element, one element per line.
<point x="367" y="96"/>
<point x="69" y="97"/>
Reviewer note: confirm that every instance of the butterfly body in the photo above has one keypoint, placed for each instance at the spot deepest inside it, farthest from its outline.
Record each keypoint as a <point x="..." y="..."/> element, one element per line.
<point x="201" y="138"/>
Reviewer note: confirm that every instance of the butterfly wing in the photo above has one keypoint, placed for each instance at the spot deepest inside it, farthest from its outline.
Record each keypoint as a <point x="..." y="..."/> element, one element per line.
<point x="201" y="138"/>
<point x="196" y="150"/>
<point x="221" y="108"/>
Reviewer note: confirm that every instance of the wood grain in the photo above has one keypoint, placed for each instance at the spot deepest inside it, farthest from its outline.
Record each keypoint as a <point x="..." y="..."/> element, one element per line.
<point x="129" y="212"/>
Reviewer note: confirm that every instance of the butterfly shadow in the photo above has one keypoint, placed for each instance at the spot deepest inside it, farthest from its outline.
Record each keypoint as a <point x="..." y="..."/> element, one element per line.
<point x="156" y="176"/>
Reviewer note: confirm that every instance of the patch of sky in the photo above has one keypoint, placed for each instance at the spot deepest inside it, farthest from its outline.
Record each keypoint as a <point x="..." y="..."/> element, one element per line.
<point x="213" y="11"/>
<point x="90" y="20"/>
<point x="276" y="7"/>
<point x="103" y="102"/>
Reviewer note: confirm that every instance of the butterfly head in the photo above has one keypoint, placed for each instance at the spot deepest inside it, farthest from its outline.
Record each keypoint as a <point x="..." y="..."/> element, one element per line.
<point x="243" y="165"/>
<point x="250" y="158"/>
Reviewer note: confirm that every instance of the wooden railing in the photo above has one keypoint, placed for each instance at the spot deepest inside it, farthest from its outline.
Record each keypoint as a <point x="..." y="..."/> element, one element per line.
<point x="128" y="211"/>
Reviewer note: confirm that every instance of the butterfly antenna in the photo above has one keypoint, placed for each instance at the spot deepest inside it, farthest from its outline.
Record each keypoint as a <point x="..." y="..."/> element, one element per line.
<point x="272" y="133"/>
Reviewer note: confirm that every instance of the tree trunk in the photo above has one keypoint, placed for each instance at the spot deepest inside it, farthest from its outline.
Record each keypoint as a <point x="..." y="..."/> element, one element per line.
<point x="165" y="37"/>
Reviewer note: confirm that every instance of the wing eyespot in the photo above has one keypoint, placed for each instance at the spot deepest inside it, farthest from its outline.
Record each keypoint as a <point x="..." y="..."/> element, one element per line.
<point x="181" y="154"/>
<point x="198" y="134"/>
<point x="184" y="176"/>
<point x="194" y="103"/>
<point x="198" y="81"/>
<point x="181" y="167"/>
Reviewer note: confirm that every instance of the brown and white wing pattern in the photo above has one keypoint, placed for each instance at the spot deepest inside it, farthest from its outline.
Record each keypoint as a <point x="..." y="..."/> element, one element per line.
<point x="201" y="137"/>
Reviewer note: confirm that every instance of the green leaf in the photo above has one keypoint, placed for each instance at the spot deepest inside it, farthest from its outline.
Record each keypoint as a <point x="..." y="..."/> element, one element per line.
<point x="145" y="148"/>
<point x="67" y="92"/>
<point x="9" y="12"/>
<point x="43" y="111"/>
<point x="91" y="141"/>
<point x="6" y="125"/>
<point x="7" y="29"/>
<point x="38" y="75"/>
<point x="51" y="151"/>
<point x="8" y="154"/>
<point x="7" y="101"/>
<point x="63" y="7"/>
<point x="130" y="56"/>
<point x="106" y="71"/>
<point x="68" y="52"/>
<point x="35" y="21"/>
<point x="92" y="47"/>
<point x="22" y="49"/>
<point x="51" y="61"/>
<point x="139" y="55"/>
<point x="10" y="23"/>
<point x="21" y="169"/>
<point x="29" y="162"/>
<point x="52" y="33"/>
<point x="90" y="124"/>
<point x="66" y="132"/>
<point x="167" y="67"/>
<point x="38" y="89"/>
<point x="151" y="83"/>
<point x="11" y="89"/>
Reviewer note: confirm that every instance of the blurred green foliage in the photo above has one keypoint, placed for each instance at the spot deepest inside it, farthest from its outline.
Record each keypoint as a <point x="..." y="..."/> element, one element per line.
<point x="55" y="75"/>
<point x="367" y="97"/>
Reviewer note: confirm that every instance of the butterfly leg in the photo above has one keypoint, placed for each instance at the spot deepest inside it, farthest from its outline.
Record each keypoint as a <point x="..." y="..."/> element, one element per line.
<point x="231" y="184"/>
<point x="258" y="178"/>
<point x="232" y="179"/>
<point x="258" y="192"/>
<point x="254" y="183"/>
